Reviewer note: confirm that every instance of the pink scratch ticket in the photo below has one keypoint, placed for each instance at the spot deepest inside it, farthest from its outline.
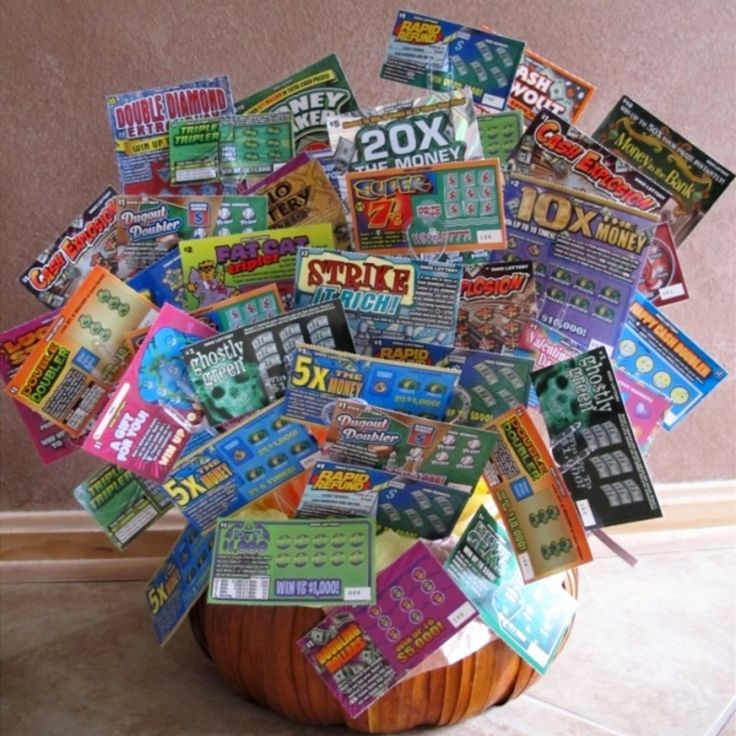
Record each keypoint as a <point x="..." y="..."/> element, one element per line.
<point x="154" y="409"/>
<point x="645" y="408"/>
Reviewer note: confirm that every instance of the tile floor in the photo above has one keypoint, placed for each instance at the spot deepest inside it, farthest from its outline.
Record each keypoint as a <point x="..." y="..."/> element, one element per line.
<point x="652" y="653"/>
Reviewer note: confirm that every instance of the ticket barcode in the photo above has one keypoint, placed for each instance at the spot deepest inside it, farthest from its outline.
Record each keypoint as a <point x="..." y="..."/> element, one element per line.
<point x="489" y="236"/>
<point x="358" y="594"/>
<point x="460" y="615"/>
<point x="185" y="175"/>
<point x="525" y="563"/>
<point x="586" y="513"/>
<point x="253" y="588"/>
<point x="138" y="522"/>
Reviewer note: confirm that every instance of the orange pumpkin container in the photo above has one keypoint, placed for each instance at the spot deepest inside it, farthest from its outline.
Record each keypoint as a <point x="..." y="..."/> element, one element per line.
<point x="254" y="648"/>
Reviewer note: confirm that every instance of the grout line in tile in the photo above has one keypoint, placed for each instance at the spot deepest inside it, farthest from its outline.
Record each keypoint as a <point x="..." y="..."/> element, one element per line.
<point x="718" y="548"/>
<point x="721" y="721"/>
<point x="668" y="551"/>
<point x="74" y="629"/>
<point x="577" y="716"/>
<point x="653" y="554"/>
<point x="640" y="555"/>
<point x="657" y="542"/>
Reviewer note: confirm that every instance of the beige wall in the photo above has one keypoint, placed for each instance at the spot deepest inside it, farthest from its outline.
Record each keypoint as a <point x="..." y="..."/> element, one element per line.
<point x="58" y="61"/>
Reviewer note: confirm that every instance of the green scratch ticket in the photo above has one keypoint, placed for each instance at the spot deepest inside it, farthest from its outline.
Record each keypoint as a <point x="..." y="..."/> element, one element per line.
<point x="121" y="503"/>
<point x="255" y="145"/>
<point x="293" y="562"/>
<point x="499" y="133"/>
<point x="219" y="267"/>
<point x="422" y="448"/>
<point x="310" y="95"/>
<point x="193" y="151"/>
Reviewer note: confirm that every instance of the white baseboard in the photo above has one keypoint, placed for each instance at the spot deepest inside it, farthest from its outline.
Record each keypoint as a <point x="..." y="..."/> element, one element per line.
<point x="41" y="546"/>
<point x="63" y="546"/>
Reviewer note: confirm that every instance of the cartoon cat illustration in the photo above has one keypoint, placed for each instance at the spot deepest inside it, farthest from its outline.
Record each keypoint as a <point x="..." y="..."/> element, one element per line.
<point x="207" y="284"/>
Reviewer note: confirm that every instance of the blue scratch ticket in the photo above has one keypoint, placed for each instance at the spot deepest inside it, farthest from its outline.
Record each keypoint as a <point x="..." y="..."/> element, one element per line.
<point x="178" y="583"/>
<point x="489" y="385"/>
<point x="240" y="466"/>
<point x="320" y="376"/>
<point x="437" y="54"/>
<point x="656" y="352"/>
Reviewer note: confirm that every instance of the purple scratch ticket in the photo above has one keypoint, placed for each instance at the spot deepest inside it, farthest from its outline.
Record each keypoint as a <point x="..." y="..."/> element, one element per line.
<point x="362" y="652"/>
<point x="588" y="255"/>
